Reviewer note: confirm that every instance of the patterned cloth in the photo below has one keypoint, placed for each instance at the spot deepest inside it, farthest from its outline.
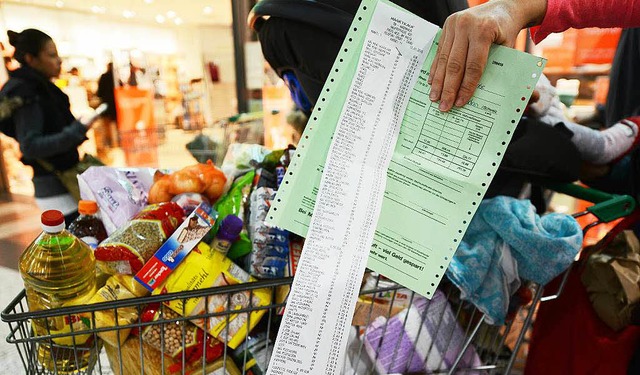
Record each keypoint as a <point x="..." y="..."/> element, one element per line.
<point x="423" y="337"/>
<point x="542" y="248"/>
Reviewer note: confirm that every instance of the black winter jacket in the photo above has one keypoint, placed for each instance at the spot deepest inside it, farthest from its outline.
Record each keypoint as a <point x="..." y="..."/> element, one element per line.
<point x="45" y="129"/>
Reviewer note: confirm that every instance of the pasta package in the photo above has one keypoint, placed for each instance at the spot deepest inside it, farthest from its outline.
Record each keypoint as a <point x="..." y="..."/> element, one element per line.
<point x="118" y="287"/>
<point x="204" y="268"/>
<point x="128" y="248"/>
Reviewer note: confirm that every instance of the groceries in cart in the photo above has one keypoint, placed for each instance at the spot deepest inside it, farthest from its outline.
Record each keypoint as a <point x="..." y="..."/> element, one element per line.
<point x="207" y="268"/>
<point x="119" y="192"/>
<point x="270" y="245"/>
<point x="178" y="338"/>
<point x="218" y="275"/>
<point x="58" y="270"/>
<point x="132" y="245"/>
<point x="117" y="287"/>
<point x="202" y="178"/>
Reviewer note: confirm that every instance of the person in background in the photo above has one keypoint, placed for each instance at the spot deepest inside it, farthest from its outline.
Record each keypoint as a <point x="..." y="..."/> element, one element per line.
<point x="106" y="92"/>
<point x="467" y="35"/>
<point x="107" y="130"/>
<point x="44" y="126"/>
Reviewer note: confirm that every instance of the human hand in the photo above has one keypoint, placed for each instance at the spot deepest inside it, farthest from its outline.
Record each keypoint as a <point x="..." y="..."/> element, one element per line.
<point x="465" y="41"/>
<point x="88" y="118"/>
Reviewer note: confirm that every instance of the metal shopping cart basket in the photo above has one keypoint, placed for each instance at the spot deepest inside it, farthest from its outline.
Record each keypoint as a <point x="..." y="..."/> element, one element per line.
<point x="393" y="328"/>
<point x="212" y="142"/>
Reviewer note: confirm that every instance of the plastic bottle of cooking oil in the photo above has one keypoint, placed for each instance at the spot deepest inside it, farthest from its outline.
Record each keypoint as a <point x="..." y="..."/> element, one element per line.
<point x="58" y="271"/>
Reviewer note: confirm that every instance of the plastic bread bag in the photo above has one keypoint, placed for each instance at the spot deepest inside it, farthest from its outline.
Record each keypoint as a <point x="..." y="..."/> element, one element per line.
<point x="118" y="287"/>
<point x="204" y="268"/>
<point x="174" y="338"/>
<point x="120" y="192"/>
<point x="127" y="249"/>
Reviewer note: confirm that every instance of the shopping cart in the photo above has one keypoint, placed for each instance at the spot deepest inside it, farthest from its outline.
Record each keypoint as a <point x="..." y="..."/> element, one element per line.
<point x="444" y="334"/>
<point x="212" y="142"/>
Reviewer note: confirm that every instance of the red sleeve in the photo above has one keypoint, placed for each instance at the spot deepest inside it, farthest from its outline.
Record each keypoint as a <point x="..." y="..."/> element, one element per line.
<point x="578" y="14"/>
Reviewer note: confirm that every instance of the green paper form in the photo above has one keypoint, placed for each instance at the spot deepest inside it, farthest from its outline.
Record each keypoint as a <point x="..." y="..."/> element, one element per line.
<point x="441" y="166"/>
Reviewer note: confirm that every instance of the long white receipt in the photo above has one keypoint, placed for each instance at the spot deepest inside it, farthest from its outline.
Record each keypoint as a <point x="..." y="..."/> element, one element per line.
<point x="312" y="337"/>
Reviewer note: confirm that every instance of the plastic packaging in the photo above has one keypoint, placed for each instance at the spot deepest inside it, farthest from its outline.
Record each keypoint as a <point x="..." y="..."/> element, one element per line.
<point x="189" y="201"/>
<point x="236" y="202"/>
<point x="229" y="231"/>
<point x="270" y="245"/>
<point x="120" y="192"/>
<point x="88" y="227"/>
<point x="58" y="271"/>
<point x="204" y="268"/>
<point x="116" y="288"/>
<point x="169" y="338"/>
<point x="128" y="248"/>
<point x="256" y="353"/>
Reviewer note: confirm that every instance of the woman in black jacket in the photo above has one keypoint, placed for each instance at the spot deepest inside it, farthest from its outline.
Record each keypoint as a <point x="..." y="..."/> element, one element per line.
<point x="44" y="126"/>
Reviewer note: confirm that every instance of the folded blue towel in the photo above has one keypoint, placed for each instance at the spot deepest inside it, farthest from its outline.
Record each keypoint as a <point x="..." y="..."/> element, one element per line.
<point x="543" y="247"/>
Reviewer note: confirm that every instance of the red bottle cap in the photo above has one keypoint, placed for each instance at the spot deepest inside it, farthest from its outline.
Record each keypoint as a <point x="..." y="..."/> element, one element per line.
<point x="52" y="218"/>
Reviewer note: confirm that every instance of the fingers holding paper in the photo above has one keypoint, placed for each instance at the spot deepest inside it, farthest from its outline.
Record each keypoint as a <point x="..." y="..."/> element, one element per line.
<point x="464" y="47"/>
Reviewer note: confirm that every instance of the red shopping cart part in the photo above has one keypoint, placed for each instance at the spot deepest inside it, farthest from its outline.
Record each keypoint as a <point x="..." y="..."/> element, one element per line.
<point x="569" y="338"/>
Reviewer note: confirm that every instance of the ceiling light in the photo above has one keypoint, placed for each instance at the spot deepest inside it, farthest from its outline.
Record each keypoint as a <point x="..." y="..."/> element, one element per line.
<point x="178" y="21"/>
<point x="160" y="18"/>
<point x="98" y="9"/>
<point x="128" y="14"/>
<point x="171" y="14"/>
<point x="207" y="10"/>
<point x="148" y="1"/>
<point x="59" y="3"/>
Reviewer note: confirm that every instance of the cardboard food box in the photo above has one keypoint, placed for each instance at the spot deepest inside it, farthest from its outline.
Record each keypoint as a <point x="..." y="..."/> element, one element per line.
<point x="204" y="268"/>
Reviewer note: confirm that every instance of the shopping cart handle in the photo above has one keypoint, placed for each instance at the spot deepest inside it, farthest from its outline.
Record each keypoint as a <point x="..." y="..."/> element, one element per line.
<point x="607" y="207"/>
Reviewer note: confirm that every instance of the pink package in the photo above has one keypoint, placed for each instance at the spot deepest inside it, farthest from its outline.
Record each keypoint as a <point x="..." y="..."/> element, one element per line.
<point x="120" y="192"/>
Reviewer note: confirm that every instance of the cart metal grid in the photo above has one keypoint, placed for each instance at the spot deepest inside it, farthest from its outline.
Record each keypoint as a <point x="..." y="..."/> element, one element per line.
<point x="496" y="347"/>
<point x="488" y="340"/>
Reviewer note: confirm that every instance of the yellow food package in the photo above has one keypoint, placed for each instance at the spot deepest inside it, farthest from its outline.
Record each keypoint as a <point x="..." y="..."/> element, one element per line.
<point x="117" y="287"/>
<point x="202" y="269"/>
<point x="220" y="367"/>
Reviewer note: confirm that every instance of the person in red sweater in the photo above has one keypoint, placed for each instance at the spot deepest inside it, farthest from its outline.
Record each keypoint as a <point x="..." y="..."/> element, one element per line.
<point x="467" y="36"/>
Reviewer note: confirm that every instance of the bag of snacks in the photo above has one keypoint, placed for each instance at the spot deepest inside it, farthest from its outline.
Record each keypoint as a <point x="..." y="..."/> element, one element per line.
<point x="127" y="249"/>
<point x="169" y="339"/>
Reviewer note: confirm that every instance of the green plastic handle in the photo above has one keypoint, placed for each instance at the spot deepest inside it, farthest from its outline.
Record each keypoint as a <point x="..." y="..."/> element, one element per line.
<point x="607" y="207"/>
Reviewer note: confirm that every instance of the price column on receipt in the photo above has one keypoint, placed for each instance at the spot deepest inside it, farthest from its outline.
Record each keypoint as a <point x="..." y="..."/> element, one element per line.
<point x="313" y="334"/>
